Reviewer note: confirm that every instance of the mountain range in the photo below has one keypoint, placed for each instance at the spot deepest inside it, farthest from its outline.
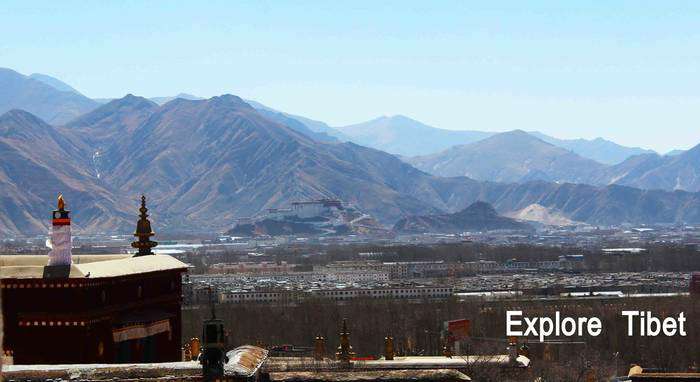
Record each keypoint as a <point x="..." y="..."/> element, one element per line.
<point x="680" y="171"/>
<point x="397" y="134"/>
<point x="203" y="163"/>
<point x="514" y="156"/>
<point x="598" y="149"/>
<point x="403" y="136"/>
<point x="315" y="129"/>
<point x="33" y="94"/>
<point x="517" y="156"/>
<point x="236" y="162"/>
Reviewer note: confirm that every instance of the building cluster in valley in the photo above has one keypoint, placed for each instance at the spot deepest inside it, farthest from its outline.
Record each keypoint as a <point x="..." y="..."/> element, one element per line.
<point x="118" y="317"/>
<point x="105" y="313"/>
<point x="280" y="282"/>
<point x="323" y="217"/>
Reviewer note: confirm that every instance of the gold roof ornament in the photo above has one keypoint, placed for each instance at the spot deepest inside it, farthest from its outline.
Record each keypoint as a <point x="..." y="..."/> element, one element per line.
<point x="61" y="203"/>
<point x="319" y="348"/>
<point x="345" y="353"/>
<point x="389" y="348"/>
<point x="61" y="216"/>
<point x="143" y="232"/>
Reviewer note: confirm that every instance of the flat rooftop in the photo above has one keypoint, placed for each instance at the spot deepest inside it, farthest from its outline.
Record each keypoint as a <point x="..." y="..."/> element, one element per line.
<point x="86" y="266"/>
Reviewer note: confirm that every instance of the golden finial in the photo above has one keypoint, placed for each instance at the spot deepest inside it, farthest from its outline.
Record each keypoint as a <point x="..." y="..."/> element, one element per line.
<point x="344" y="353"/>
<point x="61" y="203"/>
<point x="389" y="348"/>
<point x="60" y="215"/>
<point x="319" y="348"/>
<point x="143" y="232"/>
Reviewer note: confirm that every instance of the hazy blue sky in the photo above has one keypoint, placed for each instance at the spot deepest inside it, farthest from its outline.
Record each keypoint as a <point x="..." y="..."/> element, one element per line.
<point x="627" y="71"/>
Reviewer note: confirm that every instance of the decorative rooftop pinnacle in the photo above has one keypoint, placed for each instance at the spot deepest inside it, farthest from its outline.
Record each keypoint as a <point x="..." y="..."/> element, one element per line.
<point x="143" y="232"/>
<point x="60" y="254"/>
<point x="344" y="353"/>
<point x="60" y="214"/>
<point x="61" y="203"/>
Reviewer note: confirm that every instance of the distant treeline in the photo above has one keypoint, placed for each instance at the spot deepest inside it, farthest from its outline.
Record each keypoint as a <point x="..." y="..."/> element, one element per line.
<point x="416" y="328"/>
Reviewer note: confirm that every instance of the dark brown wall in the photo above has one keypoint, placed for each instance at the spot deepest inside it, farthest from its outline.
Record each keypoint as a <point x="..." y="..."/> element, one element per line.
<point x="97" y="305"/>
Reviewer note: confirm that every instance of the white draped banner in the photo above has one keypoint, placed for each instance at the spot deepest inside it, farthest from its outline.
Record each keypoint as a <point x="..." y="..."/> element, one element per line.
<point x="60" y="245"/>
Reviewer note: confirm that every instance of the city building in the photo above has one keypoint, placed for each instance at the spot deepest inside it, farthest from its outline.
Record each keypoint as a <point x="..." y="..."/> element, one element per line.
<point x="251" y="267"/>
<point x="416" y="292"/>
<point x="282" y="296"/>
<point x="308" y="209"/>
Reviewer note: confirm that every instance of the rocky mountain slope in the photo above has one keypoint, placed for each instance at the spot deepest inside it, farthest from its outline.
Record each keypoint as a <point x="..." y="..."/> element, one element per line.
<point x="209" y="161"/>
<point x="651" y="171"/>
<point x="540" y="214"/>
<point x="479" y="216"/>
<point x="315" y="129"/>
<point x="37" y="162"/>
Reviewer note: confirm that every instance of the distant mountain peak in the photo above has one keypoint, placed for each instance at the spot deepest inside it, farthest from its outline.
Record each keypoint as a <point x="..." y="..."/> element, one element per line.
<point x="18" y="114"/>
<point x="53" y="82"/>
<point x="127" y="103"/>
<point x="695" y="148"/>
<point x="479" y="207"/>
<point x="402" y="135"/>
<point x="18" y="123"/>
<point x="691" y="153"/>
<point x="133" y="100"/>
<point x="516" y="137"/>
<point x="517" y="133"/>
<point x="187" y="96"/>
<point x="511" y="156"/>
<point x="397" y="118"/>
<point x="598" y="149"/>
<point x="42" y="97"/>
<point x="182" y="96"/>
<point x="116" y="116"/>
<point x="229" y="99"/>
<point x="478" y="216"/>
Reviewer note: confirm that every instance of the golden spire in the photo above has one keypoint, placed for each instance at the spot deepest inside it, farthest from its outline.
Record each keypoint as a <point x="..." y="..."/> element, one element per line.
<point x="143" y="232"/>
<point x="345" y="352"/>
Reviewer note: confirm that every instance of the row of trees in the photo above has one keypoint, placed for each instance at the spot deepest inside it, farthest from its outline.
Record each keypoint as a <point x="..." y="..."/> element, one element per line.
<point x="416" y="327"/>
